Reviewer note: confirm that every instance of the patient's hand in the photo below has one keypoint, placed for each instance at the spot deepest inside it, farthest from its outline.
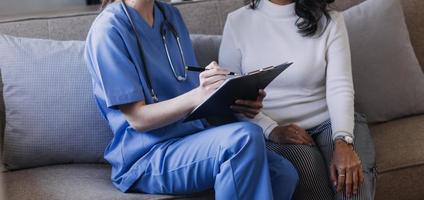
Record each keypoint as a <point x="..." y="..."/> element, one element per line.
<point x="250" y="108"/>
<point x="291" y="134"/>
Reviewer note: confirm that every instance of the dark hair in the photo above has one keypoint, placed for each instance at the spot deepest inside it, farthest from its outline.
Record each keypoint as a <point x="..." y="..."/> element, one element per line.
<point x="105" y="3"/>
<point x="310" y="13"/>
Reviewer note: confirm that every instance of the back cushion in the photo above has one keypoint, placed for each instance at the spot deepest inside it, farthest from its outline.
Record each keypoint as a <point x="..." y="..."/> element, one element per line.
<point x="389" y="83"/>
<point x="51" y="116"/>
<point x="206" y="48"/>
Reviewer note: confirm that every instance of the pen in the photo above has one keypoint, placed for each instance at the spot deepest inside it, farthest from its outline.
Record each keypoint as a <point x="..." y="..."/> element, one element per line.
<point x="201" y="69"/>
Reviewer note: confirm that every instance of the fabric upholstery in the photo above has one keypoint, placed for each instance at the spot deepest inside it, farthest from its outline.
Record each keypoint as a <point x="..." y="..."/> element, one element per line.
<point x="400" y="158"/>
<point x="389" y="82"/>
<point x="51" y="116"/>
<point x="405" y="184"/>
<point x="72" y="182"/>
<point x="38" y="27"/>
<point x="399" y="143"/>
<point x="206" y="48"/>
<point x="345" y="4"/>
<point x="396" y="183"/>
<point x="415" y="20"/>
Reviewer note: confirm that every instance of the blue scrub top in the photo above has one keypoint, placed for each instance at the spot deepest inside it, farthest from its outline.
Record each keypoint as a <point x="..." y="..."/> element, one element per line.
<point x="112" y="55"/>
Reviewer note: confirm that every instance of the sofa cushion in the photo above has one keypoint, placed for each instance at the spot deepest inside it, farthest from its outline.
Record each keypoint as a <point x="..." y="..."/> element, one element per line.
<point x="206" y="48"/>
<point x="402" y="184"/>
<point x="400" y="158"/>
<point x="71" y="182"/>
<point x="399" y="143"/>
<point x="51" y="116"/>
<point x="389" y="82"/>
<point x="414" y="19"/>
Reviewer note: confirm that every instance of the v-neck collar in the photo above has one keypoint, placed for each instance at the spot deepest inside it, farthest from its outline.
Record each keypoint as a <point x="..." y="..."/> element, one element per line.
<point x="142" y="23"/>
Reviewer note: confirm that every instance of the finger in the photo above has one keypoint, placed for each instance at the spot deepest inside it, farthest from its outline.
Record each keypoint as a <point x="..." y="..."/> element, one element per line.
<point x="305" y="134"/>
<point x="341" y="175"/>
<point x="212" y="65"/>
<point x="333" y="174"/>
<point x="261" y="95"/>
<point x="250" y="104"/>
<point x="213" y="72"/>
<point x="361" y="176"/>
<point x="295" y="134"/>
<point x="212" y="80"/>
<point x="295" y="141"/>
<point x="215" y="65"/>
<point x="300" y="138"/>
<point x="307" y="138"/>
<point x="298" y="128"/>
<point x="355" y="182"/>
<point x="349" y="183"/>
<point x="214" y="86"/>
<point x="292" y="129"/>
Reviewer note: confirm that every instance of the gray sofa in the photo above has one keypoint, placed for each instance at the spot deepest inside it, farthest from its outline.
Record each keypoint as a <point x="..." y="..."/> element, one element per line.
<point x="399" y="143"/>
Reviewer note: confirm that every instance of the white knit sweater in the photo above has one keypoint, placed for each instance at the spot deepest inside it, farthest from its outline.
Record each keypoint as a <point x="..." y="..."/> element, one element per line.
<point x="317" y="87"/>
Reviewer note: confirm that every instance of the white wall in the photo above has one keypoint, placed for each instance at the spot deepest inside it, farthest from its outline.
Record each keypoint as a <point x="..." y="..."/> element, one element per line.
<point x="8" y="7"/>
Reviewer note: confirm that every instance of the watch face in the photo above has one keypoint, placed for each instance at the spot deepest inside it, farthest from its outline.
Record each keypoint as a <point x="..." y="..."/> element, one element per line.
<point x="348" y="139"/>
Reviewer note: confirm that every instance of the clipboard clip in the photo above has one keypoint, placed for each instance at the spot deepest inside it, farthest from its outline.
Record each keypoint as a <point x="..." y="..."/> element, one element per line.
<point x="269" y="68"/>
<point x="261" y="70"/>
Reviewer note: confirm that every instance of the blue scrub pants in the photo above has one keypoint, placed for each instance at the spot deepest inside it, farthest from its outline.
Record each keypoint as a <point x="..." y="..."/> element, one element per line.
<point x="232" y="159"/>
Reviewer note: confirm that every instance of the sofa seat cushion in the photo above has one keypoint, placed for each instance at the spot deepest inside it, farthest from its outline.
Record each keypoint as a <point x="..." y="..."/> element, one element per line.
<point x="69" y="182"/>
<point x="399" y="144"/>
<point x="401" y="184"/>
<point x="400" y="158"/>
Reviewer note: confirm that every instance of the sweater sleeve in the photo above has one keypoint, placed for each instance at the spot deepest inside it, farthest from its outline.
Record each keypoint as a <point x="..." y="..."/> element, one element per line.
<point x="265" y="122"/>
<point x="339" y="83"/>
<point x="230" y="57"/>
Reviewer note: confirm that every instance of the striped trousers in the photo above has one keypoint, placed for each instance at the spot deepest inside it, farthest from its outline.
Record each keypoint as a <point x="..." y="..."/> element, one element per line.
<point x="313" y="163"/>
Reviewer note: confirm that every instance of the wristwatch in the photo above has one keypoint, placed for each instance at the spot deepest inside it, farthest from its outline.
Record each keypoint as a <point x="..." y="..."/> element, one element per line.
<point x="347" y="139"/>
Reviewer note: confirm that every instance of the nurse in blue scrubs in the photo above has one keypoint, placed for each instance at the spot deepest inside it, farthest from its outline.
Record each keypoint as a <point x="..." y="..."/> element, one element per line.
<point x="136" y="52"/>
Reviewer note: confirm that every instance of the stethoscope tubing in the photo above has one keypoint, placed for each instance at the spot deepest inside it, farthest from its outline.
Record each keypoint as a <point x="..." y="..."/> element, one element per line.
<point x="142" y="54"/>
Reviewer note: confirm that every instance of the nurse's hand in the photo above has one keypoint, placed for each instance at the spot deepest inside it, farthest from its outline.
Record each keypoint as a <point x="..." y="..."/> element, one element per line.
<point x="210" y="80"/>
<point x="250" y="108"/>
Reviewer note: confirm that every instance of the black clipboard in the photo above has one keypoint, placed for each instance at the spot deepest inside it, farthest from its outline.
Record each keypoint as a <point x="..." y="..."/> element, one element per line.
<point x="239" y="87"/>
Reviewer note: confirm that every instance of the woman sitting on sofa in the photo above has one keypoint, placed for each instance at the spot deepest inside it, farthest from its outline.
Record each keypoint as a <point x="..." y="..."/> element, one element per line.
<point x="136" y="52"/>
<point x="308" y="114"/>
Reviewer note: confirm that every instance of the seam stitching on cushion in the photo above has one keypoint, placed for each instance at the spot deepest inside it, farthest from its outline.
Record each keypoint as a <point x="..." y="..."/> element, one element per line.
<point x="48" y="18"/>
<point x="399" y="167"/>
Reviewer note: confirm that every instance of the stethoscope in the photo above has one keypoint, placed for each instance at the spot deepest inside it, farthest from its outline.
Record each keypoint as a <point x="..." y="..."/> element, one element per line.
<point x="165" y="24"/>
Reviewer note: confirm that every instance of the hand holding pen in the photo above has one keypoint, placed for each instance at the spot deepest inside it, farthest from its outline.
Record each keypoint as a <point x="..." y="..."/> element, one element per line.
<point x="210" y="78"/>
